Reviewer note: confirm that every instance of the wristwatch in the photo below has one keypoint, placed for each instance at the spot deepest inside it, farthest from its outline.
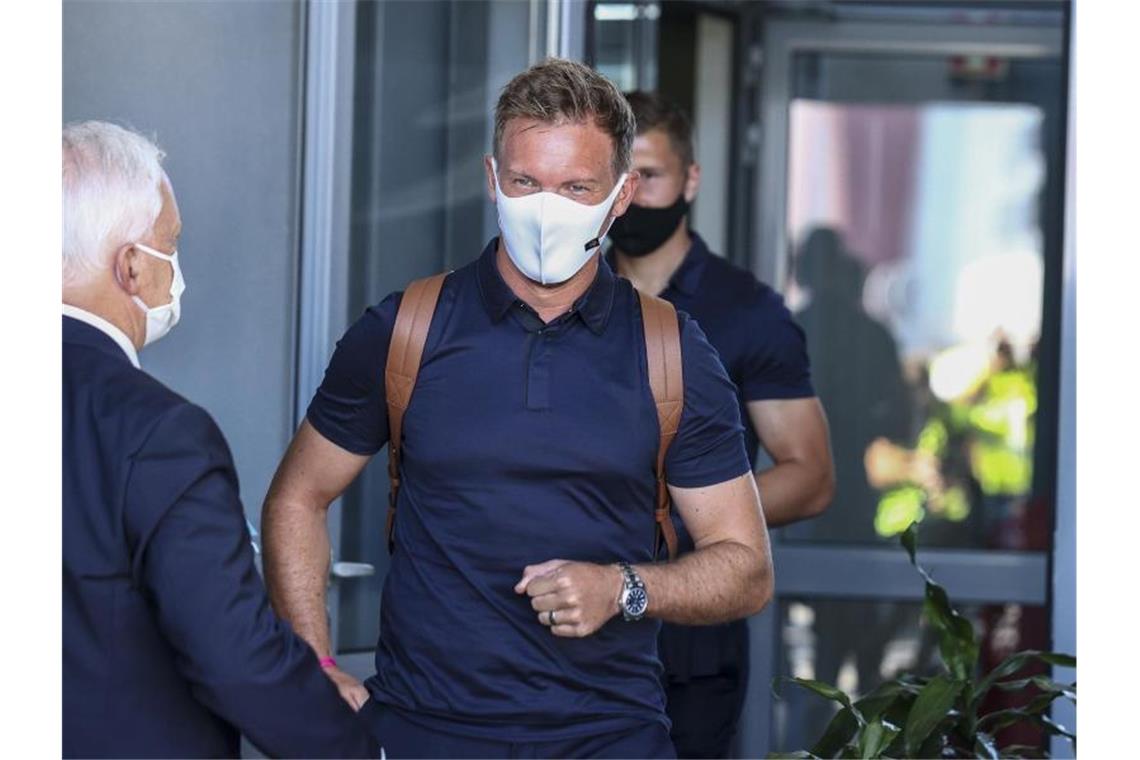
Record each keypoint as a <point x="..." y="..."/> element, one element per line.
<point x="633" y="600"/>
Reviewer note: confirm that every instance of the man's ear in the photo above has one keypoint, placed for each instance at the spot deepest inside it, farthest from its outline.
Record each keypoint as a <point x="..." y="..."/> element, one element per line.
<point x="489" y="170"/>
<point x="627" y="193"/>
<point x="692" y="181"/>
<point x="125" y="262"/>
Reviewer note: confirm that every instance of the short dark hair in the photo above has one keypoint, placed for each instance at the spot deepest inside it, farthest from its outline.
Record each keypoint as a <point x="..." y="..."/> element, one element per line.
<point x="557" y="91"/>
<point x="654" y="111"/>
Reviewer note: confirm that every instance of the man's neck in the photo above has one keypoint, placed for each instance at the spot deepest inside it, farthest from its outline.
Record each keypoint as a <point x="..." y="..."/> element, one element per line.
<point x="652" y="272"/>
<point x="548" y="301"/>
<point x="109" y="306"/>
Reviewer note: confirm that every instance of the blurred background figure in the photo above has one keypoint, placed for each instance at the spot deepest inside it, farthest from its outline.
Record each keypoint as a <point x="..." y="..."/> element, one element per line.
<point x="336" y="154"/>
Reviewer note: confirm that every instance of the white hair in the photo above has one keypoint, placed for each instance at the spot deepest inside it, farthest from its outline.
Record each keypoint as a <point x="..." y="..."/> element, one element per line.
<point x="112" y="180"/>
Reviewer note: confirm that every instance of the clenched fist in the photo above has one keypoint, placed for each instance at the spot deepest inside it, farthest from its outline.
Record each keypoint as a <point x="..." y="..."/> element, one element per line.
<point x="573" y="598"/>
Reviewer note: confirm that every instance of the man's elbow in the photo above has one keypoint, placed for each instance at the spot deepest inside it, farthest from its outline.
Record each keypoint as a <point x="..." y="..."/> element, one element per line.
<point x="823" y="494"/>
<point x="762" y="585"/>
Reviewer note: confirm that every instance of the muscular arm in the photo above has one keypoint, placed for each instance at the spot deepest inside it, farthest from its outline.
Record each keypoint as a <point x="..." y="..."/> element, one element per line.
<point x="294" y="525"/>
<point x="728" y="576"/>
<point x="801" y="482"/>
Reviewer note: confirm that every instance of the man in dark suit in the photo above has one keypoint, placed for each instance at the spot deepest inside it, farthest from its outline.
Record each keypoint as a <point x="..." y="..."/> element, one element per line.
<point x="170" y="648"/>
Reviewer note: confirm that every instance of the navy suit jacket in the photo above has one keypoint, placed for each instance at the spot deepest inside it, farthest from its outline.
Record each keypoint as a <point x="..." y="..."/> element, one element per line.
<point x="170" y="647"/>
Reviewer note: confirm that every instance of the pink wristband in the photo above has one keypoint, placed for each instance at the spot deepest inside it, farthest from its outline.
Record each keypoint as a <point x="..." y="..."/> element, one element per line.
<point x="328" y="662"/>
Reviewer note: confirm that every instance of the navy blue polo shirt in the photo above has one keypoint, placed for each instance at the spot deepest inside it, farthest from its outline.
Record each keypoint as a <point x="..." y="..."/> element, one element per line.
<point x="746" y="321"/>
<point x="765" y="355"/>
<point x="523" y="442"/>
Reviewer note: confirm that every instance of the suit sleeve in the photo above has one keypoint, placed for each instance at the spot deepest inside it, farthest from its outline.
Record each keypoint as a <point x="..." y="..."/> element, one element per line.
<point x="195" y="563"/>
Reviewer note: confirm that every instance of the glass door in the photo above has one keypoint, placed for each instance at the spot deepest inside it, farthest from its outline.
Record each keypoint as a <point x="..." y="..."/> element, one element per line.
<point x="910" y="212"/>
<point x="399" y="102"/>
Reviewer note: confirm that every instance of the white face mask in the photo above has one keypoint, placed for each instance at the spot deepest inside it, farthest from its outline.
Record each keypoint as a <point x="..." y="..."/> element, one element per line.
<point x="160" y="319"/>
<point x="550" y="237"/>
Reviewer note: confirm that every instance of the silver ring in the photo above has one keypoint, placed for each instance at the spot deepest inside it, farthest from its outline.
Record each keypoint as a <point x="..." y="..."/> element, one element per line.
<point x="550" y="617"/>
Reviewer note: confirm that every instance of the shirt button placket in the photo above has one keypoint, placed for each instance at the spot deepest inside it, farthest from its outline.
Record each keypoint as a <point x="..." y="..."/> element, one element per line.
<point x="538" y="371"/>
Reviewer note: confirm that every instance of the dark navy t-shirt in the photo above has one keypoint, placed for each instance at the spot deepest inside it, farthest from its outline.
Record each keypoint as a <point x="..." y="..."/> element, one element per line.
<point x="765" y="354"/>
<point x="761" y="345"/>
<point x="523" y="442"/>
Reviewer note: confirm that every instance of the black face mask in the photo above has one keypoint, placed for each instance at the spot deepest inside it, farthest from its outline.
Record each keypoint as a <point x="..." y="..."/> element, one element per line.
<point x="641" y="231"/>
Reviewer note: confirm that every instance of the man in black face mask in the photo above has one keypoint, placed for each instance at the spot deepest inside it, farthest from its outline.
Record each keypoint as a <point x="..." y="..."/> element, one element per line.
<point x="764" y="351"/>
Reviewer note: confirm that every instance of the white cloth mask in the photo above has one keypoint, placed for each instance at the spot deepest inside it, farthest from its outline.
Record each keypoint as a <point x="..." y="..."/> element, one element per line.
<point x="550" y="237"/>
<point x="161" y="319"/>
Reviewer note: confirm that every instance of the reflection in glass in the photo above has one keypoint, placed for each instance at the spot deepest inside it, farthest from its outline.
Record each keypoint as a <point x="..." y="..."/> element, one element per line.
<point x="918" y="276"/>
<point x="625" y="43"/>
<point x="427" y="75"/>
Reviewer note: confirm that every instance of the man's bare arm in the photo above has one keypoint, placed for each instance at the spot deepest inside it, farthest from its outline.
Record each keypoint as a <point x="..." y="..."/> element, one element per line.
<point x="294" y="527"/>
<point x="801" y="482"/>
<point x="728" y="576"/>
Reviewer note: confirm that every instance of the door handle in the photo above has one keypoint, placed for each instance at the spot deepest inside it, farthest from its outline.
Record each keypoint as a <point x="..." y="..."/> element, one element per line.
<point x="352" y="569"/>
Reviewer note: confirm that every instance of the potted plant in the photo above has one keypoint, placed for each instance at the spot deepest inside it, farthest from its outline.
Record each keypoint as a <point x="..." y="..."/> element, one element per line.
<point x="940" y="715"/>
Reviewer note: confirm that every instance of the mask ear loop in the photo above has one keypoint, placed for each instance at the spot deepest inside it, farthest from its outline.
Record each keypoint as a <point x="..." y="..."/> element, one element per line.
<point x="595" y="242"/>
<point x="157" y="254"/>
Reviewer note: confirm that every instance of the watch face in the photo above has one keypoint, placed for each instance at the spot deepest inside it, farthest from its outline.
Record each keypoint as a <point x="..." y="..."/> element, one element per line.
<point x="636" y="602"/>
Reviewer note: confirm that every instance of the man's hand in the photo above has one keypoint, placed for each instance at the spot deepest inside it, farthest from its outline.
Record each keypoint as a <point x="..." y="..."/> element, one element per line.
<point x="351" y="690"/>
<point x="581" y="595"/>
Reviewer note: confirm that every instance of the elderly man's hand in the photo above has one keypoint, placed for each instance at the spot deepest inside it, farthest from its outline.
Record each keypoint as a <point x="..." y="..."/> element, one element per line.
<point x="582" y="596"/>
<point x="351" y="690"/>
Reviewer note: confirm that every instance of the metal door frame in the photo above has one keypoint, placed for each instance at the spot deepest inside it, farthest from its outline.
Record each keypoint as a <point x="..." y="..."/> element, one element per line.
<point x="326" y="144"/>
<point x="852" y="572"/>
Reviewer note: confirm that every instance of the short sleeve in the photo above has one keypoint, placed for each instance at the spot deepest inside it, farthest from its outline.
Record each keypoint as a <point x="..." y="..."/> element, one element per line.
<point x="349" y="408"/>
<point x="709" y="447"/>
<point x="774" y="362"/>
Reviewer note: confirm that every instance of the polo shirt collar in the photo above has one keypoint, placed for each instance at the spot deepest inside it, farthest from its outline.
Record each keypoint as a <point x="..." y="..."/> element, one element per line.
<point x="593" y="307"/>
<point x="687" y="278"/>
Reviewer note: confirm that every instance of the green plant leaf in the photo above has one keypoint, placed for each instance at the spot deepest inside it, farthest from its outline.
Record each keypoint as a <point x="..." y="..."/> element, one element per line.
<point x="840" y="730"/>
<point x="1016" y="662"/>
<point x="934" y="746"/>
<point x="798" y="755"/>
<point x="876" y="737"/>
<point x="1020" y="750"/>
<point x="885" y="696"/>
<point x="931" y="706"/>
<point x="956" y="640"/>
<point x="996" y="721"/>
<point x="909" y="539"/>
<point x="1044" y="684"/>
<point x="1055" y="728"/>
<point x="984" y="746"/>
<point x="827" y="691"/>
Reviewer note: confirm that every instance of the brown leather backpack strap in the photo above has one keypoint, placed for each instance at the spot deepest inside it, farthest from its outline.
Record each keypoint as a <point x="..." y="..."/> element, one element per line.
<point x="405" y="352"/>
<point x="666" y="381"/>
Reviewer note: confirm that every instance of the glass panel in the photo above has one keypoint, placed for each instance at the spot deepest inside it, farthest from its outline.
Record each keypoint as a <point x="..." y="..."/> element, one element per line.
<point x="428" y="73"/>
<point x="918" y="270"/>
<point x="625" y="43"/>
<point x="858" y="645"/>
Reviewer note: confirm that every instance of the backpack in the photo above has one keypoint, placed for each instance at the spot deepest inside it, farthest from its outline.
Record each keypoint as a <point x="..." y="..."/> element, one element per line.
<point x="663" y="359"/>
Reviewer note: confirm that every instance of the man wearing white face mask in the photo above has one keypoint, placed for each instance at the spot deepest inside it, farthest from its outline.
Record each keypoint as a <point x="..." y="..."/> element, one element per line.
<point x="170" y="648"/>
<point x="522" y="604"/>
